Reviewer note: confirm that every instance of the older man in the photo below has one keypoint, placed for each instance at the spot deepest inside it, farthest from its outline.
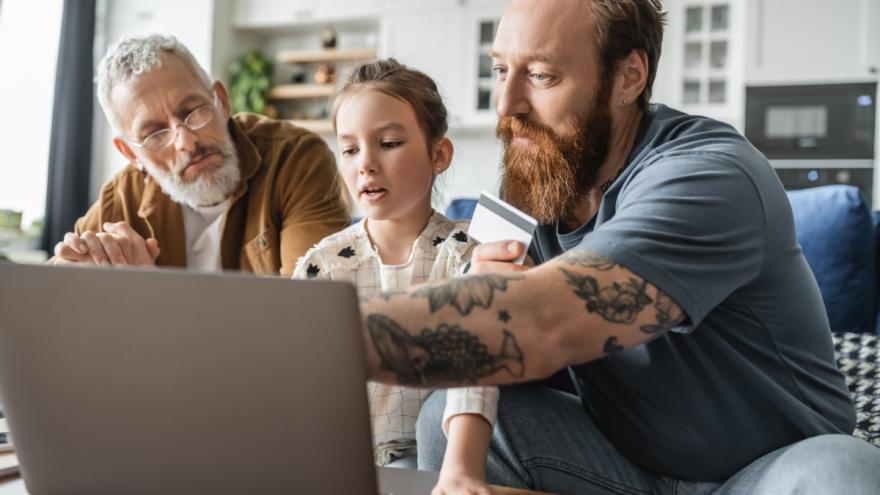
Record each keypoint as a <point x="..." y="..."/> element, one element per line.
<point x="204" y="190"/>
<point x="670" y="283"/>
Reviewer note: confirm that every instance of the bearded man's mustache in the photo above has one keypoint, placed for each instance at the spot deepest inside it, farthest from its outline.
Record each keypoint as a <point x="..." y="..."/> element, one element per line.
<point x="535" y="177"/>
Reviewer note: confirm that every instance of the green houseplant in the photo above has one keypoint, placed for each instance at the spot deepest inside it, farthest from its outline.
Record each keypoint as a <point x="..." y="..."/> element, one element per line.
<point x="251" y="76"/>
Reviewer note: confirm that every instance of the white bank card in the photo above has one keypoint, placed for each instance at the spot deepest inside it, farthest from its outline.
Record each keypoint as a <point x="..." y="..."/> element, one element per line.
<point x="495" y="220"/>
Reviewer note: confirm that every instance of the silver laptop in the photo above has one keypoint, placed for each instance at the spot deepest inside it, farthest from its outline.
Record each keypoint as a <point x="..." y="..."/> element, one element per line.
<point x="172" y="382"/>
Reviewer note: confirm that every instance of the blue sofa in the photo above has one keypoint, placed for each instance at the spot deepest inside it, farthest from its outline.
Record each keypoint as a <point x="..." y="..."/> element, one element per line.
<point x="840" y="238"/>
<point x="838" y="234"/>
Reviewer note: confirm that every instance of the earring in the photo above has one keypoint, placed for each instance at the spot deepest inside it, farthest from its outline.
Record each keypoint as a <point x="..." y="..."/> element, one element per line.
<point x="624" y="101"/>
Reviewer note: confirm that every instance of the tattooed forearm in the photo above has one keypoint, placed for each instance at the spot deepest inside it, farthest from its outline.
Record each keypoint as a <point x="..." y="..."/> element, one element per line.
<point x="448" y="354"/>
<point x="611" y="346"/>
<point x="586" y="259"/>
<point x="504" y="316"/>
<point x="617" y="303"/>
<point x="465" y="293"/>
<point x="385" y="296"/>
<point x="668" y="315"/>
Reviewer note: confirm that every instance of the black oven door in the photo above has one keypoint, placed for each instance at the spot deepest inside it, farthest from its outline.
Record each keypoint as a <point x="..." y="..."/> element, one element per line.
<point x="816" y="121"/>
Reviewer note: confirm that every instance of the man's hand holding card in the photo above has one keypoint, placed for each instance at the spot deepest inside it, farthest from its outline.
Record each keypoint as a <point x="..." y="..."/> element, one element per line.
<point x="495" y="225"/>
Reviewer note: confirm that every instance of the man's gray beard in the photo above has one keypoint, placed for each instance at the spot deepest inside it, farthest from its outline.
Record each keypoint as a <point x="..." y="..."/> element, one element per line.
<point x="208" y="188"/>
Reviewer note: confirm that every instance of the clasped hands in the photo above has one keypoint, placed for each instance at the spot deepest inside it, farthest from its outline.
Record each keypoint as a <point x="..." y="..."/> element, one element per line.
<point x="116" y="247"/>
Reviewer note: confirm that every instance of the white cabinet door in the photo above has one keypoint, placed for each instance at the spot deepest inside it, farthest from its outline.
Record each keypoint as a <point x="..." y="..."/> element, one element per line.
<point x="267" y="13"/>
<point x="873" y="39"/>
<point x="191" y="22"/>
<point x="397" y="6"/>
<point x="333" y="10"/>
<point x="128" y="14"/>
<point x="480" y="24"/>
<point x="431" y="42"/>
<point x="801" y="41"/>
<point x="702" y="64"/>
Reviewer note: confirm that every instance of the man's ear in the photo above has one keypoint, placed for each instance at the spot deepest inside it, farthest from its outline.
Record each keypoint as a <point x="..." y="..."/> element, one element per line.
<point x="632" y="76"/>
<point x="441" y="155"/>
<point x="125" y="149"/>
<point x="222" y="98"/>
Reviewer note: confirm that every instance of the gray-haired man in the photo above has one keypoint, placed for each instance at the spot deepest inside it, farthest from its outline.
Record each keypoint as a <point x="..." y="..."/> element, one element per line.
<point x="204" y="190"/>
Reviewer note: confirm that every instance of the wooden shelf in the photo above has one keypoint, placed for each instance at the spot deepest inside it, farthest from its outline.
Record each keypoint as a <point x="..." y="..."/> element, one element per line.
<point x="328" y="55"/>
<point x="317" y="126"/>
<point x="301" y="91"/>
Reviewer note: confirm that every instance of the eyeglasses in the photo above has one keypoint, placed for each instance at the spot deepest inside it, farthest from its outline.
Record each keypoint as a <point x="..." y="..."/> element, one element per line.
<point x="195" y="120"/>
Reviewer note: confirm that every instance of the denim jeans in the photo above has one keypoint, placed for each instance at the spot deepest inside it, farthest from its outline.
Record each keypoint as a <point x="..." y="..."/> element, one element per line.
<point x="544" y="440"/>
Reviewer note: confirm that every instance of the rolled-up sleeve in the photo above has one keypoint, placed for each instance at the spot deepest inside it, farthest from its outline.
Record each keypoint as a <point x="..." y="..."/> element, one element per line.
<point x="471" y="400"/>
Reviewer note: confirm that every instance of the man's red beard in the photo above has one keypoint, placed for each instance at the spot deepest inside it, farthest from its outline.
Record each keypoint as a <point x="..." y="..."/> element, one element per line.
<point x="549" y="176"/>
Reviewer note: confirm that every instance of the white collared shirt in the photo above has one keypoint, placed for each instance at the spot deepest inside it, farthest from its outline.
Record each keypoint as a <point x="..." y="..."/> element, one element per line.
<point x="441" y="251"/>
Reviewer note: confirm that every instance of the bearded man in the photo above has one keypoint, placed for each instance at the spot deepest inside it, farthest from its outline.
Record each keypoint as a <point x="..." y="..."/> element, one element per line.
<point x="203" y="190"/>
<point x="669" y="283"/>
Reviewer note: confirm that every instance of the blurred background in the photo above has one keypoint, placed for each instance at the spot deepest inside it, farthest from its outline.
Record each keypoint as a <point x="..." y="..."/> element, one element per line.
<point x="797" y="77"/>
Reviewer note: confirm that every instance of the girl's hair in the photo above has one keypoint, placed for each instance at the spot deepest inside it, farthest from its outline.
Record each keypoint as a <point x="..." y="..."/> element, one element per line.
<point x="399" y="81"/>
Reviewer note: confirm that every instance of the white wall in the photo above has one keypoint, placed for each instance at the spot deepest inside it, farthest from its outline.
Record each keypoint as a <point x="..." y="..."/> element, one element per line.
<point x="27" y="92"/>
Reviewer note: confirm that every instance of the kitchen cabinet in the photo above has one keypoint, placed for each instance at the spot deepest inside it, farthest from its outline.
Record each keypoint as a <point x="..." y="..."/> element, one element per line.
<point x="812" y="41"/>
<point x="481" y="20"/>
<point x="267" y="13"/>
<point x="702" y="62"/>
<point x="450" y="41"/>
<point x="255" y="14"/>
<point x="431" y="41"/>
<point x="191" y="22"/>
<point x="396" y="6"/>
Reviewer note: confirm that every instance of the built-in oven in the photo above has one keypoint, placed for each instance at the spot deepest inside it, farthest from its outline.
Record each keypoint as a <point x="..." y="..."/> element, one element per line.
<point x="816" y="134"/>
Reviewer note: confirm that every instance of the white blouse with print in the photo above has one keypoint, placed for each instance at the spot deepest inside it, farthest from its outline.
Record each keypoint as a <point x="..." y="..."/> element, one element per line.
<point x="441" y="251"/>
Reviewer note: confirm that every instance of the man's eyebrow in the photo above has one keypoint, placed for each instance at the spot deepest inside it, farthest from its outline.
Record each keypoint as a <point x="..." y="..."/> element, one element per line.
<point x="542" y="57"/>
<point x="193" y="98"/>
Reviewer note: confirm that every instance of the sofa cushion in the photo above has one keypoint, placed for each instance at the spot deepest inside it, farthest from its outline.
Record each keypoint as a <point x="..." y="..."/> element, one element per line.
<point x="461" y="209"/>
<point x="835" y="229"/>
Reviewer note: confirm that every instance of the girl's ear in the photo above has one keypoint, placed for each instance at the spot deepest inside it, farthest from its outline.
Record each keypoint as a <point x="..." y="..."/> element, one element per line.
<point x="441" y="155"/>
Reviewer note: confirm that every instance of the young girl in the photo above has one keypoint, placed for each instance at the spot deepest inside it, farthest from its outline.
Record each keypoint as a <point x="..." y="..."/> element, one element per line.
<point x="390" y="122"/>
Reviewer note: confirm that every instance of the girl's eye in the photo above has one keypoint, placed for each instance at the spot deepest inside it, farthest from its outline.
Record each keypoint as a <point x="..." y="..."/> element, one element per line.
<point x="347" y="151"/>
<point x="391" y="144"/>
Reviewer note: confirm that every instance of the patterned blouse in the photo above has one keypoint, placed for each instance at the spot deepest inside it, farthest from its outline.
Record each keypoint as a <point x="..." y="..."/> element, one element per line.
<point x="440" y="252"/>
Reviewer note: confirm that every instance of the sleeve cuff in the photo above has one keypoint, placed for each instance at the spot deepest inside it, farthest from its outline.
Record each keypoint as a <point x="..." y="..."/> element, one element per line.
<point x="471" y="400"/>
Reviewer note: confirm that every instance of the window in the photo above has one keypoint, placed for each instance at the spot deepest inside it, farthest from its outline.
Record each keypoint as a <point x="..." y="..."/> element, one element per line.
<point x="29" y="35"/>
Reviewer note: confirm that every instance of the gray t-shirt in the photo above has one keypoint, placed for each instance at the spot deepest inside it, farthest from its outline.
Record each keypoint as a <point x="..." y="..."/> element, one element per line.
<point x="699" y="213"/>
